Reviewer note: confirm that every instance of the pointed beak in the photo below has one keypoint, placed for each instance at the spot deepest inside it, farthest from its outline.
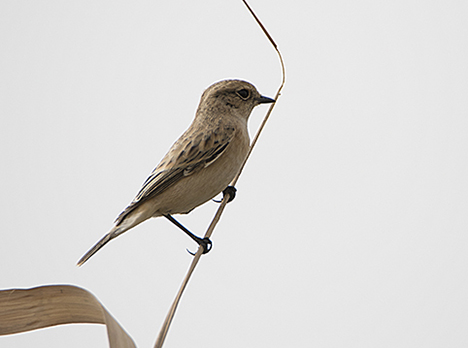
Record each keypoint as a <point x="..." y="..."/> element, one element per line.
<point x="265" y="100"/>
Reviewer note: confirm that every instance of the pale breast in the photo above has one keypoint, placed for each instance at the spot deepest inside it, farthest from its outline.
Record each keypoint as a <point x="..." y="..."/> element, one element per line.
<point x="206" y="183"/>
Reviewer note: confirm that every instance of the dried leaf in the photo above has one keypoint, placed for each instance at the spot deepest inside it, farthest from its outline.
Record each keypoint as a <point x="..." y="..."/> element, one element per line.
<point x="24" y="310"/>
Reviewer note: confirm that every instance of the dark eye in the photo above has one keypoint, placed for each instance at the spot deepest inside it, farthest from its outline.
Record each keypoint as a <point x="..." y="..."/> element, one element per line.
<point x="243" y="93"/>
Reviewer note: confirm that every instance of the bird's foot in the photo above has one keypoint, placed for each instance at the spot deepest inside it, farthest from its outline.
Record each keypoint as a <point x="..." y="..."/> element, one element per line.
<point x="205" y="243"/>
<point x="231" y="191"/>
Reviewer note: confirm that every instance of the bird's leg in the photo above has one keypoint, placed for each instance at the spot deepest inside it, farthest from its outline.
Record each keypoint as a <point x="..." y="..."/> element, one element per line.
<point x="231" y="191"/>
<point x="204" y="242"/>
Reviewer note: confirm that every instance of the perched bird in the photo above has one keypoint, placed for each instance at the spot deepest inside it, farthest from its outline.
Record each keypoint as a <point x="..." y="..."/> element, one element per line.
<point x="199" y="165"/>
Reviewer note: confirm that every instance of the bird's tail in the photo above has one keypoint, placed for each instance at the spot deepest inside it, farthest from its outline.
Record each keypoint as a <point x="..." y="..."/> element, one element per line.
<point x="121" y="227"/>
<point x="104" y="240"/>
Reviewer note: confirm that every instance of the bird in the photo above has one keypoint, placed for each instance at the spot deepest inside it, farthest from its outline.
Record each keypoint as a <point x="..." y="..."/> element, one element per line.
<point x="199" y="165"/>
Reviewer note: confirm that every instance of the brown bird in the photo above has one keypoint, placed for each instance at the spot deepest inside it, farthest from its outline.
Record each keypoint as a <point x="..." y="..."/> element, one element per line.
<point x="199" y="165"/>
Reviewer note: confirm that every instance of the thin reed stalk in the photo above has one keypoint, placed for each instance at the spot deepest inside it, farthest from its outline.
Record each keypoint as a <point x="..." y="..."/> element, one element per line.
<point x="170" y="315"/>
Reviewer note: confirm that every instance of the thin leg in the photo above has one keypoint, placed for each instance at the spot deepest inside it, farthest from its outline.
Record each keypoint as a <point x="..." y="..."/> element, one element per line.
<point x="204" y="242"/>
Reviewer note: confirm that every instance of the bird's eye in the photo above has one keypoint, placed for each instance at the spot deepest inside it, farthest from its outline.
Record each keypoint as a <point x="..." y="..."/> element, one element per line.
<point x="243" y="93"/>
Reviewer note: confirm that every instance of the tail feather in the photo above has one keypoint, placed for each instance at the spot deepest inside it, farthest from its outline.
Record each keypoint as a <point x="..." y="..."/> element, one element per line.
<point x="104" y="240"/>
<point x="129" y="222"/>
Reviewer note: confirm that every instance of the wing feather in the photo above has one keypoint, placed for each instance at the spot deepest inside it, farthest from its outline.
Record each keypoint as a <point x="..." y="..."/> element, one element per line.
<point x="188" y="155"/>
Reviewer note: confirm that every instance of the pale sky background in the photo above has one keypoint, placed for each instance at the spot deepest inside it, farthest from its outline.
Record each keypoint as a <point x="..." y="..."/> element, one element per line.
<point x="350" y="227"/>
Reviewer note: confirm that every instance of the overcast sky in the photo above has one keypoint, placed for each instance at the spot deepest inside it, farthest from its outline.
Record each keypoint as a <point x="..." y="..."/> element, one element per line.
<point x="350" y="226"/>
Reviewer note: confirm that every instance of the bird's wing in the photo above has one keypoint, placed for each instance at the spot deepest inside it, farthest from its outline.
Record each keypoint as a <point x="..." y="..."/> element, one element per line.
<point x="188" y="155"/>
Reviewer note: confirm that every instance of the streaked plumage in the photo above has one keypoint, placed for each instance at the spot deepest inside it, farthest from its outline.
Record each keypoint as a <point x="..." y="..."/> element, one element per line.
<point x="200" y="164"/>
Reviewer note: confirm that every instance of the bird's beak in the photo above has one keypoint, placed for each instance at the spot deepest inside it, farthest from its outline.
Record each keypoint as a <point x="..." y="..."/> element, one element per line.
<point x="265" y="100"/>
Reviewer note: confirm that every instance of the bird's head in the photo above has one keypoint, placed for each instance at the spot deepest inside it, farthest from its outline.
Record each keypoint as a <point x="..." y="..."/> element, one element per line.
<point x="234" y="96"/>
